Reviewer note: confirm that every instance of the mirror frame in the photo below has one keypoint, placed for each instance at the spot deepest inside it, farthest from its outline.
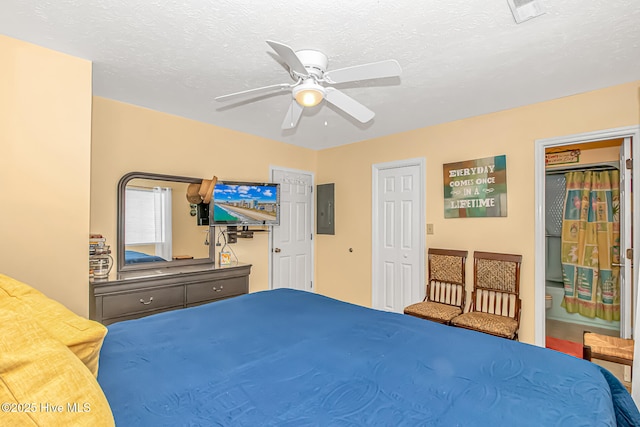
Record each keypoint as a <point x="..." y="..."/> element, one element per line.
<point x="122" y="267"/>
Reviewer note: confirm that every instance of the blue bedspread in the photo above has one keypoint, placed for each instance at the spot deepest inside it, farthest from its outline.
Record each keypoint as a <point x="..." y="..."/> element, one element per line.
<point x="291" y="358"/>
<point x="135" y="257"/>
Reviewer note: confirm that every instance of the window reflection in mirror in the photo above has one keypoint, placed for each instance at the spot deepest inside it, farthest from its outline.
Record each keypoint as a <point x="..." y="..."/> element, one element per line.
<point x="157" y="227"/>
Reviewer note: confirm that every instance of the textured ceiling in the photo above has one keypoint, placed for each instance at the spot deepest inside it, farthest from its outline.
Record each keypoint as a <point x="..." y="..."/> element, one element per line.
<point x="460" y="58"/>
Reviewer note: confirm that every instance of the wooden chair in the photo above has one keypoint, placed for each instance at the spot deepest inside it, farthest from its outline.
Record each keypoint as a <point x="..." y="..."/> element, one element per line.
<point x="495" y="300"/>
<point x="604" y="347"/>
<point x="445" y="295"/>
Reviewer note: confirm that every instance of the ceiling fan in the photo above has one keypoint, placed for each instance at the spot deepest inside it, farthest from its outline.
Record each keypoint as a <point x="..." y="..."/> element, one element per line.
<point x="309" y="70"/>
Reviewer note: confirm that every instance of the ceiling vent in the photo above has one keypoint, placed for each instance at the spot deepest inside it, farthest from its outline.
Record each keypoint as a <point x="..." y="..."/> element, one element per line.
<point x="523" y="10"/>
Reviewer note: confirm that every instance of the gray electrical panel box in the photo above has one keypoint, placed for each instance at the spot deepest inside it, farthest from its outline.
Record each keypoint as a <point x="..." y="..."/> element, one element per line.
<point x="326" y="209"/>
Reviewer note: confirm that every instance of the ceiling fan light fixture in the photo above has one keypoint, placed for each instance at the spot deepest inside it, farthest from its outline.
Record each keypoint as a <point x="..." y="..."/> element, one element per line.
<point x="309" y="94"/>
<point x="308" y="68"/>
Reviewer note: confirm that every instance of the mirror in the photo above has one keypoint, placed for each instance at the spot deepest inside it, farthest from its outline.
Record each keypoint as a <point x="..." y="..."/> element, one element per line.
<point x="157" y="226"/>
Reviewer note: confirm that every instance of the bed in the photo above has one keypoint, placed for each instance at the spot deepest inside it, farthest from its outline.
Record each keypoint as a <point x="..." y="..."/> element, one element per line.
<point x="135" y="257"/>
<point x="293" y="358"/>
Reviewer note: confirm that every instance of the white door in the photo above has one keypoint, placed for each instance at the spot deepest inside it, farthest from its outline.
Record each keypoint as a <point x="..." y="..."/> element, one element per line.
<point x="626" y="240"/>
<point x="398" y="235"/>
<point x="292" y="240"/>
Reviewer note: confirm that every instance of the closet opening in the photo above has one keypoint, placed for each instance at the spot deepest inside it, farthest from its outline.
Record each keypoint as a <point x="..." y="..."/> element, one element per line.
<point x="582" y="220"/>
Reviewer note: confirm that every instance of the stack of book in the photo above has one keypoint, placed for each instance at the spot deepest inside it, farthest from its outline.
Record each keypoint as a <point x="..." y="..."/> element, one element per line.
<point x="98" y="262"/>
<point x="97" y="244"/>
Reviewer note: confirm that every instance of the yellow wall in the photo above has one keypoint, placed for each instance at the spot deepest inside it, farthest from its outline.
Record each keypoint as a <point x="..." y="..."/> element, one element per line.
<point x="590" y="153"/>
<point x="599" y="155"/>
<point x="54" y="144"/>
<point x="187" y="236"/>
<point x="512" y="132"/>
<point x="127" y="138"/>
<point x="45" y="143"/>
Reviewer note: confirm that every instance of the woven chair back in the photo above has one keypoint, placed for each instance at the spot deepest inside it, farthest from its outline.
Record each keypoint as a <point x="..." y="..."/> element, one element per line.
<point x="497" y="283"/>
<point x="447" y="276"/>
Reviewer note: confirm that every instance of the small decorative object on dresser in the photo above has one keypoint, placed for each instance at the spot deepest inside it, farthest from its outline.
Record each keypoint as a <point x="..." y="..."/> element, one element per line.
<point x="100" y="260"/>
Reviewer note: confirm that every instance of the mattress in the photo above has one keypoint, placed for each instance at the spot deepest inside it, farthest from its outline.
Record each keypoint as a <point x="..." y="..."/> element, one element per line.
<point x="293" y="358"/>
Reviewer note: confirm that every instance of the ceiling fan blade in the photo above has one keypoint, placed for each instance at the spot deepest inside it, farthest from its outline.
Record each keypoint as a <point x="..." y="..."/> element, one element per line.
<point x="374" y="70"/>
<point x="289" y="57"/>
<point x="348" y="105"/>
<point x="293" y="115"/>
<point x="253" y="92"/>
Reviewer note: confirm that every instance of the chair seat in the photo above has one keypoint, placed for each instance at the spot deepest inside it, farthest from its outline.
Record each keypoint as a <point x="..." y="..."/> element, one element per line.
<point x="429" y="310"/>
<point x="603" y="345"/>
<point x="489" y="323"/>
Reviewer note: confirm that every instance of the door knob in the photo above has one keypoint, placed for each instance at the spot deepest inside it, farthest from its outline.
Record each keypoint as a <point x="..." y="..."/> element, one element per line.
<point x="276" y="250"/>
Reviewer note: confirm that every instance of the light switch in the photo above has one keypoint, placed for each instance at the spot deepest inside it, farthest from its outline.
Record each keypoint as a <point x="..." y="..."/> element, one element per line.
<point x="429" y="228"/>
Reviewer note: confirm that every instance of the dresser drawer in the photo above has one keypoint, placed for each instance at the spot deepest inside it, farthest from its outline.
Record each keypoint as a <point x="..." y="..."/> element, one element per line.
<point x="138" y="315"/>
<point x="143" y="300"/>
<point x="116" y="300"/>
<point x="211" y="290"/>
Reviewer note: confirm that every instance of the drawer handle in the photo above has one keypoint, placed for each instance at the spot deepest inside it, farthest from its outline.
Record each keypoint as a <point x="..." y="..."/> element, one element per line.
<point x="218" y="290"/>
<point x="148" y="302"/>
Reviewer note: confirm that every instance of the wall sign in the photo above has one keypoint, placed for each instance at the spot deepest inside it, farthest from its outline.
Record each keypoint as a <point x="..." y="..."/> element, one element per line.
<point x="476" y="188"/>
<point x="561" y="157"/>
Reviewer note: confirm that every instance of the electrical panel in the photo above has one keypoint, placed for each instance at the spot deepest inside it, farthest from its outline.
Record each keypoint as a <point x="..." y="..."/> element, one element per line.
<point x="325" y="206"/>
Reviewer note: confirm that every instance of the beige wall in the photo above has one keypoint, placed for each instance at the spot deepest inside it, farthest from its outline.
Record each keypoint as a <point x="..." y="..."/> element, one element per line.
<point x="45" y="143"/>
<point x="49" y="132"/>
<point x="591" y="153"/>
<point x="127" y="138"/>
<point x="513" y="132"/>
<point x="599" y="155"/>
<point x="187" y="236"/>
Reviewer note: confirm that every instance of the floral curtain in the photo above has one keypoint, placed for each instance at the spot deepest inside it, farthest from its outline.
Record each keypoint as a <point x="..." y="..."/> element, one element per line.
<point x="591" y="244"/>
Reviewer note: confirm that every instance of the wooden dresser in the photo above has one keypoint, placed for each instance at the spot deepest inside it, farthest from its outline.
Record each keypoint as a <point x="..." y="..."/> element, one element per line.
<point x="153" y="291"/>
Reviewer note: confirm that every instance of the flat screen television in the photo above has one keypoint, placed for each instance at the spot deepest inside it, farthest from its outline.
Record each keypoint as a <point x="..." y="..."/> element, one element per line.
<point x="245" y="203"/>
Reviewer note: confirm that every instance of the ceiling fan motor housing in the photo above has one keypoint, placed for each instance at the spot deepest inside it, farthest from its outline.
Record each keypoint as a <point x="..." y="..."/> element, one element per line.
<point x="314" y="61"/>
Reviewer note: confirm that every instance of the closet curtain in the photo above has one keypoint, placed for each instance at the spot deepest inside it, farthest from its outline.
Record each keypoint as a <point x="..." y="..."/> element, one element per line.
<point x="591" y="244"/>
